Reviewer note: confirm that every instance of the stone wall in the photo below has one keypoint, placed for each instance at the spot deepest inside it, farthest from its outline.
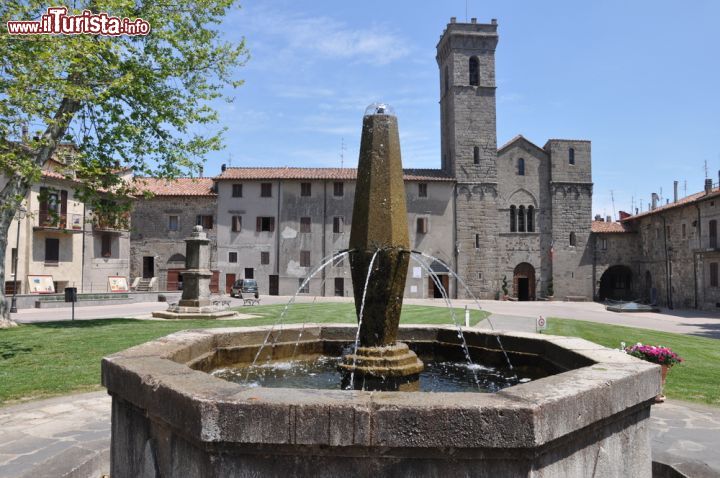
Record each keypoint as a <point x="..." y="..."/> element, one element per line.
<point x="151" y="235"/>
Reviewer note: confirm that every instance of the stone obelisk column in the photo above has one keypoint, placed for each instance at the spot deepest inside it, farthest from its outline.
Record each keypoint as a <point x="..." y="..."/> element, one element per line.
<point x="196" y="277"/>
<point x="380" y="229"/>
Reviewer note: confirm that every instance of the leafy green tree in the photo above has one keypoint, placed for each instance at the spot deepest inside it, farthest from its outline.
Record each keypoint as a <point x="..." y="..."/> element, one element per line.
<point x="142" y="103"/>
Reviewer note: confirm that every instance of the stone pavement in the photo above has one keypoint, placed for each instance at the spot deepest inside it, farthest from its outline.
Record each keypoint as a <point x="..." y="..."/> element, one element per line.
<point x="69" y="437"/>
<point x="66" y="436"/>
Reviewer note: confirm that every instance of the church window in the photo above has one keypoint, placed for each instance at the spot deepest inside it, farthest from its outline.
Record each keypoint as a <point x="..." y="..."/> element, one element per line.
<point x="476" y="155"/>
<point x="521" y="167"/>
<point x="573" y="239"/>
<point x="530" y="219"/>
<point x="571" y="155"/>
<point x="513" y="222"/>
<point x="474" y="71"/>
<point x="521" y="219"/>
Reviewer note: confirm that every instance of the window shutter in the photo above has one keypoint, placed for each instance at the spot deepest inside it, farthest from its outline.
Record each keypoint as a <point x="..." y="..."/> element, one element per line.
<point x="272" y="224"/>
<point x="258" y="224"/>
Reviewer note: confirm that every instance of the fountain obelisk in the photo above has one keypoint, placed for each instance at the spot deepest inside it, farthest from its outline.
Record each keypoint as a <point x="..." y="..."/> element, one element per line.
<point x="380" y="231"/>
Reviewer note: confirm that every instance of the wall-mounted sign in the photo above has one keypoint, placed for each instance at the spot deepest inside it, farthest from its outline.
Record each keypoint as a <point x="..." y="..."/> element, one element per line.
<point x="117" y="284"/>
<point x="41" y="284"/>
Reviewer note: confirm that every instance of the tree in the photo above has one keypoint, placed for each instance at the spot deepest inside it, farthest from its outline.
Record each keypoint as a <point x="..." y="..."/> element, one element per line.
<point x="141" y="102"/>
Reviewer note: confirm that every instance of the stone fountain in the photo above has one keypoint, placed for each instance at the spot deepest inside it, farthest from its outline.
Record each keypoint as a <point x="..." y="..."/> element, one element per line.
<point x="195" y="302"/>
<point x="587" y="416"/>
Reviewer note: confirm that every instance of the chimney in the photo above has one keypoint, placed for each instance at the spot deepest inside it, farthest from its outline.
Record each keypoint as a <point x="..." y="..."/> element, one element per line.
<point x="473" y="20"/>
<point x="608" y="219"/>
<point x="598" y="217"/>
<point x="675" y="185"/>
<point x="708" y="185"/>
<point x="654" y="203"/>
<point x="223" y="168"/>
<point x="636" y="211"/>
<point x="493" y="21"/>
<point x="24" y="133"/>
<point x="453" y="19"/>
<point x="201" y="170"/>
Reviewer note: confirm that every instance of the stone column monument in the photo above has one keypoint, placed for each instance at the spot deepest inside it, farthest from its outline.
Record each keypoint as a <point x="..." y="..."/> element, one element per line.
<point x="195" y="302"/>
<point x="380" y="231"/>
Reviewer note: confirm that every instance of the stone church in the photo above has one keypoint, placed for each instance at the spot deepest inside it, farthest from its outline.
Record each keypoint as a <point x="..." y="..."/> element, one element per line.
<point x="519" y="214"/>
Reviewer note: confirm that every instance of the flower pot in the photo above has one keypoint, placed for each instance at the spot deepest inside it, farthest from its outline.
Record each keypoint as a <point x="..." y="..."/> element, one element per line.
<point x="663" y="375"/>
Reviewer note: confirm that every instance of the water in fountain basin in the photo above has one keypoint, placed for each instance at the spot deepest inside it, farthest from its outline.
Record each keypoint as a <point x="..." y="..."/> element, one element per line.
<point x="320" y="372"/>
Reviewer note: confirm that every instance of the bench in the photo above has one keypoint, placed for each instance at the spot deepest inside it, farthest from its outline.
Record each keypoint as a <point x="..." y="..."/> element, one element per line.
<point x="251" y="301"/>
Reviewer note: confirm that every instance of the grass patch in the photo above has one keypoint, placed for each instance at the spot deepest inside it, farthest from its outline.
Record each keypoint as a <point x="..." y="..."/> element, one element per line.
<point x="53" y="358"/>
<point x="697" y="379"/>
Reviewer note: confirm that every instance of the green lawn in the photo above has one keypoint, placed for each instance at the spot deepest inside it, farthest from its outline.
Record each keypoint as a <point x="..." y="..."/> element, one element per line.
<point x="53" y="358"/>
<point x="697" y="379"/>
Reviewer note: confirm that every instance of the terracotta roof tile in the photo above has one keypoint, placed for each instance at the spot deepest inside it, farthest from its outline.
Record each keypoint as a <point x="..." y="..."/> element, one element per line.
<point x="347" y="174"/>
<point x="176" y="187"/>
<point x="602" y="227"/>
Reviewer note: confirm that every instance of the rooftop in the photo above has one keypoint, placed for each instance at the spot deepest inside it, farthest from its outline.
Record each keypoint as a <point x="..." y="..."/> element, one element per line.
<point x="687" y="200"/>
<point x="176" y="187"/>
<point x="343" y="174"/>
<point x="603" y="227"/>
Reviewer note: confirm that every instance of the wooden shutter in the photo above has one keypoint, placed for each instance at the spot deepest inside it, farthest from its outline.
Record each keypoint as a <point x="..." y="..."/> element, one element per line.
<point x="258" y="224"/>
<point x="63" y="208"/>
<point x="272" y="224"/>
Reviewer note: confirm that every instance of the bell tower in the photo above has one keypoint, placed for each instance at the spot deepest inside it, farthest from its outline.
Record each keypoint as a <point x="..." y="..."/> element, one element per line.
<point x="466" y="57"/>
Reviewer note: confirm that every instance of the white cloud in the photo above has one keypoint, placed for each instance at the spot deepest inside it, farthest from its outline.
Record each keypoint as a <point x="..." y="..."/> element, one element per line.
<point x="328" y="38"/>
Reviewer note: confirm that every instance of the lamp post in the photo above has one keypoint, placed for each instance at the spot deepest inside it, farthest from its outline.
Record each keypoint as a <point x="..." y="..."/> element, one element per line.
<point x="21" y="212"/>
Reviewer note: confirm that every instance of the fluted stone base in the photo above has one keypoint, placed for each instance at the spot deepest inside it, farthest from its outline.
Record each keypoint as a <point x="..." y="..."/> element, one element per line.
<point x="390" y="368"/>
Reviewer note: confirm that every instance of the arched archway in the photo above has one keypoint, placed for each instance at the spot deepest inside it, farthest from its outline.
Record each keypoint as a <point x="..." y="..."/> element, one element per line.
<point x="616" y="283"/>
<point x="524" y="281"/>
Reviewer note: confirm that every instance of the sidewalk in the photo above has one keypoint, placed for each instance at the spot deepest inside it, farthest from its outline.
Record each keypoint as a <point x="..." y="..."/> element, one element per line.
<point x="69" y="436"/>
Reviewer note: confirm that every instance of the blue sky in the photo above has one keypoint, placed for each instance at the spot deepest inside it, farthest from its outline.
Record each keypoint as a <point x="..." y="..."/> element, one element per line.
<point x="639" y="79"/>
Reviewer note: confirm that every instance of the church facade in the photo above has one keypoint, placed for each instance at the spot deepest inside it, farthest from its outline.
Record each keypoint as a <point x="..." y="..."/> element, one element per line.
<point x="518" y="215"/>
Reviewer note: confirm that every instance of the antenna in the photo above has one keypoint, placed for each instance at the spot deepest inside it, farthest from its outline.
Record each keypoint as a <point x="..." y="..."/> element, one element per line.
<point x="612" y="198"/>
<point x="466" y="5"/>
<point x="706" y="169"/>
<point x="342" y="152"/>
<point x="685" y="189"/>
<point x="230" y="160"/>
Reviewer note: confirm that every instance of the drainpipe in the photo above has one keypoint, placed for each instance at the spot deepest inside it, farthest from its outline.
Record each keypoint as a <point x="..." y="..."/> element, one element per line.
<point x="324" y="239"/>
<point x="277" y="237"/>
<point x="696" y="256"/>
<point x="455" y="244"/>
<point x="668" y="268"/>
<point x="82" y="263"/>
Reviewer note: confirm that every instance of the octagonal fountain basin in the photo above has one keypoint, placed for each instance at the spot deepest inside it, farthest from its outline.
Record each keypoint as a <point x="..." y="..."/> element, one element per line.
<point x="575" y="409"/>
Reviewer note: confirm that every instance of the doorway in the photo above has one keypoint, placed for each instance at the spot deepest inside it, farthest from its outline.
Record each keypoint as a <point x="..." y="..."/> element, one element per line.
<point x="616" y="283"/>
<point x="148" y="267"/>
<point x="274" y="285"/>
<point x="434" y="291"/>
<point x="229" y="281"/>
<point x="340" y="286"/>
<point x="524" y="281"/>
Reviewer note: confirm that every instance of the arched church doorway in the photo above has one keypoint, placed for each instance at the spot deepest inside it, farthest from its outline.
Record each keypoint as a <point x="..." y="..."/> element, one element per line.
<point x="616" y="283"/>
<point x="524" y="281"/>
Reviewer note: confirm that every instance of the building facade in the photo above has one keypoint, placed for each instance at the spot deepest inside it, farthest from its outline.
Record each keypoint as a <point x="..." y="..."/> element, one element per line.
<point x="61" y="242"/>
<point x="519" y="214"/>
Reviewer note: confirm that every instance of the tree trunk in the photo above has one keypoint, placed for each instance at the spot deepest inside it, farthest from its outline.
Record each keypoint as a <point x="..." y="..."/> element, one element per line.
<point x="17" y="186"/>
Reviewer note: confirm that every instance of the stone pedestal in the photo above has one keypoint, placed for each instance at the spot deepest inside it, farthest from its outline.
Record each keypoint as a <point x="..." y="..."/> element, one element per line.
<point x="195" y="302"/>
<point x="391" y="368"/>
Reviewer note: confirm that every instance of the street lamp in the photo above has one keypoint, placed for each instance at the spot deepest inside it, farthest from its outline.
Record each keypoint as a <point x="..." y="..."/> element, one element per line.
<point x="21" y="212"/>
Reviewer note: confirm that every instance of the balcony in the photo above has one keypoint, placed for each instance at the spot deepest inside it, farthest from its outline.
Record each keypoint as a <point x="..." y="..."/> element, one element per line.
<point x="45" y="220"/>
<point x="111" y="222"/>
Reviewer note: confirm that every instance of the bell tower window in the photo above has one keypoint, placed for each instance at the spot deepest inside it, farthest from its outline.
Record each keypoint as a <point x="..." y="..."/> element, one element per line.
<point x="474" y="71"/>
<point x="476" y="155"/>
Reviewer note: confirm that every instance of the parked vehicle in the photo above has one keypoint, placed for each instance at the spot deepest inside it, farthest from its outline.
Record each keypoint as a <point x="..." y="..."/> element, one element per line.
<point x="245" y="287"/>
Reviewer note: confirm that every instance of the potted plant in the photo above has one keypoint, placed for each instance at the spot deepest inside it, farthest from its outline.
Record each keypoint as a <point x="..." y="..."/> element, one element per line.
<point x="504" y="288"/>
<point x="658" y="354"/>
<point x="550" y="290"/>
